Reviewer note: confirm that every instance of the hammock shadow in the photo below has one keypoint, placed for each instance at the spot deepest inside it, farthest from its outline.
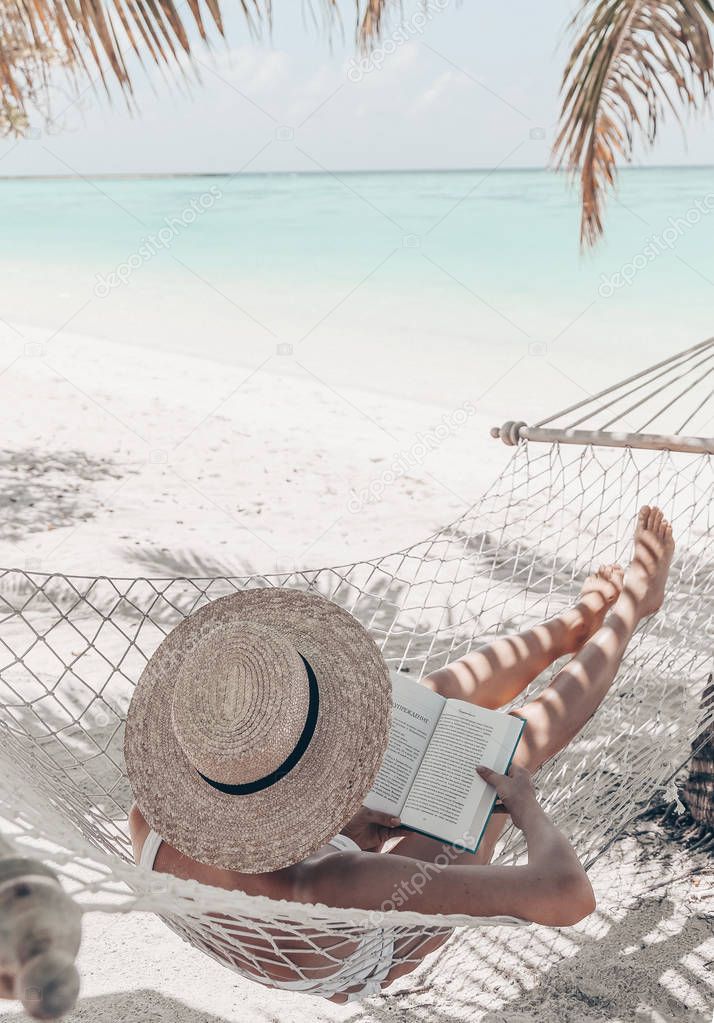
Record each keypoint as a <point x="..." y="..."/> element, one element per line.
<point x="627" y="973"/>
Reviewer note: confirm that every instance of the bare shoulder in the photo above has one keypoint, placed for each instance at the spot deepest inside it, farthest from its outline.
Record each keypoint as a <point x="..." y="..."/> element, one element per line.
<point x="341" y="879"/>
<point x="137" y="822"/>
<point x="280" y="884"/>
<point x="138" y="829"/>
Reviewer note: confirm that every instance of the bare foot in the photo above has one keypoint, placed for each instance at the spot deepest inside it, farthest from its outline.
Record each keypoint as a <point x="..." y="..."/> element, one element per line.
<point x="647" y="573"/>
<point x="599" y="593"/>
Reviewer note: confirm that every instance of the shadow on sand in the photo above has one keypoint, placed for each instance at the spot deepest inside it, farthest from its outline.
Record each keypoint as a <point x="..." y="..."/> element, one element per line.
<point x="628" y="974"/>
<point x="48" y="489"/>
<point x="125" y="1006"/>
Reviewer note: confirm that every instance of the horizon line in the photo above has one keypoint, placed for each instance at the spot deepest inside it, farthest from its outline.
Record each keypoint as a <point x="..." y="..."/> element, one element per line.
<point x="156" y="175"/>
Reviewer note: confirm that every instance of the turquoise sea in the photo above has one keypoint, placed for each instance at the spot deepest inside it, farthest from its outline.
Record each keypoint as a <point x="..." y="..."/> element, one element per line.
<point x="483" y="264"/>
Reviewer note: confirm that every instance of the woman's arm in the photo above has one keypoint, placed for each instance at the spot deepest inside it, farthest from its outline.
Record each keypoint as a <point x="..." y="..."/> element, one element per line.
<point x="551" y="888"/>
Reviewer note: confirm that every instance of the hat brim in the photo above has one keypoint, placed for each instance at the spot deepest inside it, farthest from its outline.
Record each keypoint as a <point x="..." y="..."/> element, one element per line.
<point x="282" y="824"/>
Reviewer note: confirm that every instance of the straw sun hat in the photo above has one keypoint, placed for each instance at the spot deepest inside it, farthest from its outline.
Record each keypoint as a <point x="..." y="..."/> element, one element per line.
<point x="257" y="728"/>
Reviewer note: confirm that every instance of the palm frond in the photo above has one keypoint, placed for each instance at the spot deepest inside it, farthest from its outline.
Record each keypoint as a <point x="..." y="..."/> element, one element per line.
<point x="82" y="38"/>
<point x="370" y="20"/>
<point x="94" y="38"/>
<point x="632" y="61"/>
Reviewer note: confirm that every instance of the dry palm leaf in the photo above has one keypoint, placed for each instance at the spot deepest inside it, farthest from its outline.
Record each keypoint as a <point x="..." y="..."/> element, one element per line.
<point x="632" y="61"/>
<point x="369" y="20"/>
<point x="94" y="38"/>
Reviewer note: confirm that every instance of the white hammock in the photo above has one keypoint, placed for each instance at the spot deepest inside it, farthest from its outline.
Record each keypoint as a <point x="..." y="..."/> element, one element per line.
<point x="72" y="648"/>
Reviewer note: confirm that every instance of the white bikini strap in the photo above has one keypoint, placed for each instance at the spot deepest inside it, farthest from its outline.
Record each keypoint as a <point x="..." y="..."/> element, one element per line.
<point x="344" y="843"/>
<point x="149" y="849"/>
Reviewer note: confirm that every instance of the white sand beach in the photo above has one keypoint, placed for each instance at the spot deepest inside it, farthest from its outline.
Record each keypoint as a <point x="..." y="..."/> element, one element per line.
<point x="128" y="461"/>
<point x="268" y="279"/>
<point x="121" y="460"/>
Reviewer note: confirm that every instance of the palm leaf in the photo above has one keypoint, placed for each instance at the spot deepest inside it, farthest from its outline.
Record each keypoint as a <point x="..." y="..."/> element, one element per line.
<point x="93" y="39"/>
<point x="632" y="61"/>
<point x="370" y="21"/>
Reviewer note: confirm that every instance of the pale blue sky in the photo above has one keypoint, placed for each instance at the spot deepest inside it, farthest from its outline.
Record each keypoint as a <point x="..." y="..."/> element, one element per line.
<point x="475" y="87"/>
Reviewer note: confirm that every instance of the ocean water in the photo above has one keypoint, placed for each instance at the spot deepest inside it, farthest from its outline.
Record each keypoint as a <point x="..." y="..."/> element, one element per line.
<point x="375" y="279"/>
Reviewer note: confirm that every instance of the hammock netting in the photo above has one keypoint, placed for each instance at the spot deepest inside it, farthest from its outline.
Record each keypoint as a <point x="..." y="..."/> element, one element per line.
<point x="72" y="649"/>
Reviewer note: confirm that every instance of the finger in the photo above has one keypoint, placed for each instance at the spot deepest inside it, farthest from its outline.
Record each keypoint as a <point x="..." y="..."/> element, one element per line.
<point x="387" y="834"/>
<point x="492" y="777"/>
<point x="384" y="820"/>
<point x="498" y="807"/>
<point x="400" y="832"/>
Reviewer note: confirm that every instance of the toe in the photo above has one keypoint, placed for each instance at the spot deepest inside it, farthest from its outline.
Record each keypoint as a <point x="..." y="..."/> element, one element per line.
<point x="643" y="516"/>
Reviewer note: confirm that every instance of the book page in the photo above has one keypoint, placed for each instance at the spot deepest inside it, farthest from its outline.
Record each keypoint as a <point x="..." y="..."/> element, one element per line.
<point x="415" y="712"/>
<point x="448" y="799"/>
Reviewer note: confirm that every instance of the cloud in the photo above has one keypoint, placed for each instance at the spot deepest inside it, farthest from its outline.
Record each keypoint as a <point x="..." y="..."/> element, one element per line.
<point x="291" y="91"/>
<point x="321" y="82"/>
<point x="403" y="58"/>
<point x="441" y="87"/>
<point x="253" y="69"/>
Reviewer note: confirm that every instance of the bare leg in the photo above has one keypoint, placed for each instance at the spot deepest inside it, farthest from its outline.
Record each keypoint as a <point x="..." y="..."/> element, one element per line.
<point x="495" y="674"/>
<point x="558" y="714"/>
<point x="560" y="711"/>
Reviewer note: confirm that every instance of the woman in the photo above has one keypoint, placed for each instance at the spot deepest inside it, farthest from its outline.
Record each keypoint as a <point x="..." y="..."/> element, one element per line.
<point x="258" y="727"/>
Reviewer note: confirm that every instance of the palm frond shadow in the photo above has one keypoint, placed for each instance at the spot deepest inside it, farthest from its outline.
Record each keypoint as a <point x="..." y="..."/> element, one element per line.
<point x="603" y="979"/>
<point x="495" y="556"/>
<point x="369" y="591"/>
<point x="48" y="490"/>
<point x="186" y="564"/>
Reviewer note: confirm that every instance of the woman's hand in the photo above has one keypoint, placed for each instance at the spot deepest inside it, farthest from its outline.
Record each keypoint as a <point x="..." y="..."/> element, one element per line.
<point x="370" y="829"/>
<point x="560" y="892"/>
<point x="515" y="791"/>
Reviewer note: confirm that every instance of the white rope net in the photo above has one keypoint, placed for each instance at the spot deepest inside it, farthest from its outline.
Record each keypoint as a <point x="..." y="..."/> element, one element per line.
<point x="672" y="397"/>
<point x="72" y="649"/>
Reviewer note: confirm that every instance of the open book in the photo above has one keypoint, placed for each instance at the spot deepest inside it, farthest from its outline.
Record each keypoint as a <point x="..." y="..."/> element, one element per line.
<point x="428" y="775"/>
